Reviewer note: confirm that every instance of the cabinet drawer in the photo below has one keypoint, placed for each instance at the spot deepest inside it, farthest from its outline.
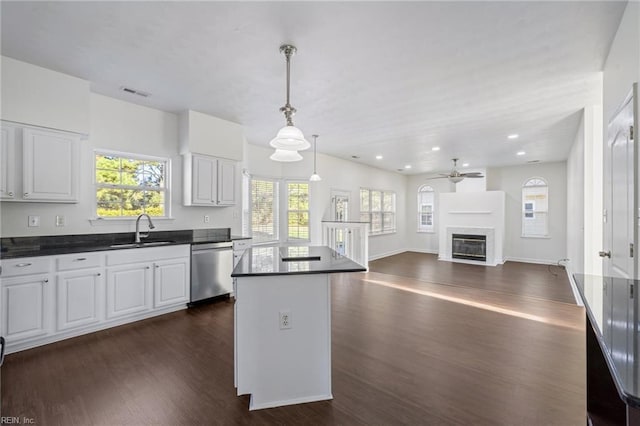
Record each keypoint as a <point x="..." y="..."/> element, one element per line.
<point x="240" y="245"/>
<point x="25" y="266"/>
<point x="79" y="261"/>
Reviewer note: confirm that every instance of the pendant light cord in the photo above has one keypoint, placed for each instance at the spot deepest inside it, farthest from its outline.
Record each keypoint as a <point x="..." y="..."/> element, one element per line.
<point x="287" y="109"/>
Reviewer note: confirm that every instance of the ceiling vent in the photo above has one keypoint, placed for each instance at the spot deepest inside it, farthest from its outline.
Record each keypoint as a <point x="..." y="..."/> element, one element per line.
<point x="135" y="92"/>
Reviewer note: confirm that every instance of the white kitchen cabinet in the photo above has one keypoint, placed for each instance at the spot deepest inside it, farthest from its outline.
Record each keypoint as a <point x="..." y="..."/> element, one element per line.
<point x="171" y="282"/>
<point x="129" y="289"/>
<point x="8" y="163"/>
<point x="51" y="162"/>
<point x="208" y="181"/>
<point x="26" y="304"/>
<point x="80" y="298"/>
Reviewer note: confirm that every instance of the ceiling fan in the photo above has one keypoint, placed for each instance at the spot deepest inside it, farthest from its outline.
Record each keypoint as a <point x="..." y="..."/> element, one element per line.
<point x="455" y="176"/>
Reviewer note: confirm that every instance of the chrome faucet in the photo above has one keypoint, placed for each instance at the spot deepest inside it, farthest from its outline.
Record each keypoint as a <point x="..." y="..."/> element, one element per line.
<point x="146" y="234"/>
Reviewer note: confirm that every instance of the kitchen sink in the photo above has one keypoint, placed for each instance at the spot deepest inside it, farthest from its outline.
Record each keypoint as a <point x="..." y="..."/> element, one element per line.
<point x="147" y="244"/>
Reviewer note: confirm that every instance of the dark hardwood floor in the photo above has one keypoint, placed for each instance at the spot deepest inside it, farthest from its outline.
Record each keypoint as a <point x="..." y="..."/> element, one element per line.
<point x="486" y="346"/>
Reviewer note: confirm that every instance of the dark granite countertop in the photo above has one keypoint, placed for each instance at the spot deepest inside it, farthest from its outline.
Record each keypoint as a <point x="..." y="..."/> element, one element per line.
<point x="268" y="260"/>
<point x="15" y="247"/>
<point x="612" y="307"/>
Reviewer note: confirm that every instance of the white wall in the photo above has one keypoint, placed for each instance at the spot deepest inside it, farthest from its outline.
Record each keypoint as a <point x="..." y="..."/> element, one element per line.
<point x="426" y="242"/>
<point x="575" y="202"/>
<point x="510" y="180"/>
<point x="119" y="126"/>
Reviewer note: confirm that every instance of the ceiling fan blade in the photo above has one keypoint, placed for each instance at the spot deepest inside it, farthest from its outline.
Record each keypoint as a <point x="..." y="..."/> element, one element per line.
<point x="471" y="174"/>
<point x="437" y="177"/>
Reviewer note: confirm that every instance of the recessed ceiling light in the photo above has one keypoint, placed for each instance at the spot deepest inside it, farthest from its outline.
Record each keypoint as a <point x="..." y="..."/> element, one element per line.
<point x="465" y="164"/>
<point x="513" y="136"/>
<point x="378" y="157"/>
<point x="520" y="153"/>
<point x="408" y="166"/>
<point x="435" y="148"/>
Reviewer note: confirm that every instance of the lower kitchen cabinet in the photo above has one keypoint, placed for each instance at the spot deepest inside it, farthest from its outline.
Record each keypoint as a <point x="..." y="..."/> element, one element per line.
<point x="128" y="290"/>
<point x="26" y="302"/>
<point x="80" y="298"/>
<point x="50" y="298"/>
<point x="171" y="282"/>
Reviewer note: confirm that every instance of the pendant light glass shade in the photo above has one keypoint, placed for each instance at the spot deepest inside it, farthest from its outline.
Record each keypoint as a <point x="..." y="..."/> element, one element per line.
<point x="291" y="138"/>
<point x="285" y="155"/>
<point x="315" y="177"/>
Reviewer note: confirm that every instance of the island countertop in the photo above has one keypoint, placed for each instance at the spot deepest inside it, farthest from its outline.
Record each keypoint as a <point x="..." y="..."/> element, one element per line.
<point x="613" y="313"/>
<point x="268" y="260"/>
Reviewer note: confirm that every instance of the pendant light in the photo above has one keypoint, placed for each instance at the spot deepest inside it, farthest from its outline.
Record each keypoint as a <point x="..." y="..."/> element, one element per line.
<point x="289" y="138"/>
<point x="315" y="176"/>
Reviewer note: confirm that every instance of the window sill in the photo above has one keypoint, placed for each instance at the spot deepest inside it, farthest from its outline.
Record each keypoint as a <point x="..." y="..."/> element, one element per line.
<point x="425" y="232"/>
<point x="99" y="221"/>
<point x="538" y="237"/>
<point x="382" y="233"/>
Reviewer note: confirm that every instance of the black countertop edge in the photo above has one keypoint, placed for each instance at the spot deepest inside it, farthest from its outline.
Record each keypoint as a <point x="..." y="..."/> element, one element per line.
<point x="49" y="245"/>
<point x="628" y="398"/>
<point x="271" y="274"/>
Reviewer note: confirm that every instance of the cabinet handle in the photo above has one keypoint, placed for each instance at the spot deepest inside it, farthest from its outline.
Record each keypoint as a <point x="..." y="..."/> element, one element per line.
<point x="80" y="259"/>
<point x="22" y="265"/>
<point x="46" y="280"/>
<point x="26" y="194"/>
<point x="148" y="267"/>
<point x="10" y="194"/>
<point x="98" y="274"/>
<point x="157" y="266"/>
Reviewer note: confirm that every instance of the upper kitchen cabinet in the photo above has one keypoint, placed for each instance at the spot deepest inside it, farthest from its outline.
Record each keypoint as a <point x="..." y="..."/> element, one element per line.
<point x="41" y="97"/>
<point x="38" y="165"/>
<point x="208" y="181"/>
<point x="208" y="135"/>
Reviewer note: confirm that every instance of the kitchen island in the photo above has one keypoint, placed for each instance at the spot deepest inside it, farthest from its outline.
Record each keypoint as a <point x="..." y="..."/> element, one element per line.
<point x="282" y="323"/>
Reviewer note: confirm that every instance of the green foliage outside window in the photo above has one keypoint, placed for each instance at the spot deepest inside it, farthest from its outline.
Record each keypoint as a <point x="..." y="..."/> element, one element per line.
<point x="127" y="187"/>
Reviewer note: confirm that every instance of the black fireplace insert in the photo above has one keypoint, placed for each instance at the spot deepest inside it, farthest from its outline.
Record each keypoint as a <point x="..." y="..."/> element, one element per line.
<point x="469" y="247"/>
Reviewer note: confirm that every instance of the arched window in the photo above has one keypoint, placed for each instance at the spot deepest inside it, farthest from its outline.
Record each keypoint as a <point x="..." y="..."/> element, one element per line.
<point x="426" y="208"/>
<point x="535" y="208"/>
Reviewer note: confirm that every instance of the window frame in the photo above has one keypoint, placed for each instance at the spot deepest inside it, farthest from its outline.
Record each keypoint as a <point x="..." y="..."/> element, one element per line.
<point x="426" y="189"/>
<point x="535" y="212"/>
<point x="286" y="210"/>
<point x="95" y="218"/>
<point x="382" y="212"/>
<point x="276" y="207"/>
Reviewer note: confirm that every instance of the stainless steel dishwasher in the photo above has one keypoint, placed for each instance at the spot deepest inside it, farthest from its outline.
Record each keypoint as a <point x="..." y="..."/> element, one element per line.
<point x="211" y="266"/>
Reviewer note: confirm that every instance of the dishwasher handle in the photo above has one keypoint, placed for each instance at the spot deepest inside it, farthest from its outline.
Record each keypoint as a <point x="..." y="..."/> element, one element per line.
<point x="209" y="246"/>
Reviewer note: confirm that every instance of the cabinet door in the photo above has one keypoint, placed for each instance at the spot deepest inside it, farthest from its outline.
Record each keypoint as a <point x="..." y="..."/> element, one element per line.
<point x="171" y="282"/>
<point x="128" y="289"/>
<point x="203" y="182"/>
<point x="8" y="163"/>
<point x="80" y="298"/>
<point x="25" y="305"/>
<point x="226" y="182"/>
<point x="50" y="165"/>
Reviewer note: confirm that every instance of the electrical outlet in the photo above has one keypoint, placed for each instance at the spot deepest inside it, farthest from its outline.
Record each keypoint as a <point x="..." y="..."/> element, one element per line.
<point x="206" y="218"/>
<point x="34" y="221"/>
<point x="59" y="220"/>
<point x="285" y="320"/>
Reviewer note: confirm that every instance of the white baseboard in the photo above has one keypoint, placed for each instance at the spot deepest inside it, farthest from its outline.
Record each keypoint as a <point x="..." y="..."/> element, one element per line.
<point x="387" y="254"/>
<point x="422" y="250"/>
<point x="529" y="260"/>
<point x="574" y="286"/>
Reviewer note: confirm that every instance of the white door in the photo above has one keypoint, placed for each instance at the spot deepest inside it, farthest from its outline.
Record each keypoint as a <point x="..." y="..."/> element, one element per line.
<point x="79" y="298"/>
<point x="619" y="227"/>
<point x="204" y="181"/>
<point x="128" y="290"/>
<point x="340" y="205"/>
<point x="171" y="282"/>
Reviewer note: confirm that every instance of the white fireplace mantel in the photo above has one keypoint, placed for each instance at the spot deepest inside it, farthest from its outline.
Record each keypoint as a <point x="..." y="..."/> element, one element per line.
<point x="473" y="213"/>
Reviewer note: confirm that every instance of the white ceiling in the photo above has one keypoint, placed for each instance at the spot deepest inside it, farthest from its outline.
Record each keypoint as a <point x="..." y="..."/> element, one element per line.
<point x="389" y="78"/>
